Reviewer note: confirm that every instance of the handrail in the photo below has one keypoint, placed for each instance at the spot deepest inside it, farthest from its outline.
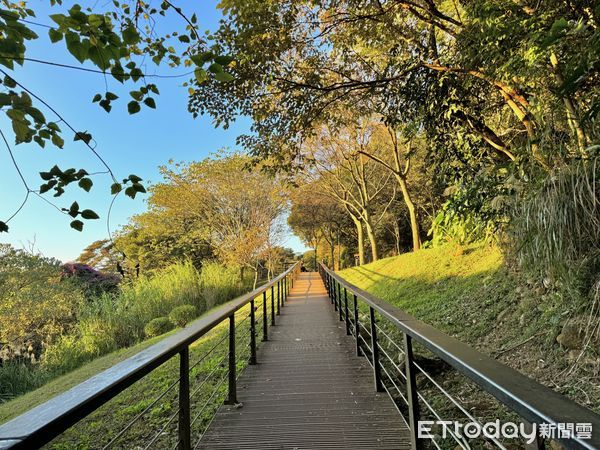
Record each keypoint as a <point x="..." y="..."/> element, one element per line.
<point x="529" y="399"/>
<point x="43" y="423"/>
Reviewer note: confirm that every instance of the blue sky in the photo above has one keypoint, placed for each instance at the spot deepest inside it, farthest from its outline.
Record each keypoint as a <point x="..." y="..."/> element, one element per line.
<point x="130" y="144"/>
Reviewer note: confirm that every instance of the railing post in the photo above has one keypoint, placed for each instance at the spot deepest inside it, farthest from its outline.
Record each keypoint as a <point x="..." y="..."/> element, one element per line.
<point x="375" y="352"/>
<point x="278" y="297"/>
<point x="412" y="396"/>
<point x="333" y="292"/>
<point x="346" y="312"/>
<point x="252" y="334"/>
<point x="339" y="291"/>
<point x="356" y="327"/>
<point x="265" y="319"/>
<point x="273" y="305"/>
<point x="184" y="400"/>
<point x="232" y="395"/>
<point x="538" y="442"/>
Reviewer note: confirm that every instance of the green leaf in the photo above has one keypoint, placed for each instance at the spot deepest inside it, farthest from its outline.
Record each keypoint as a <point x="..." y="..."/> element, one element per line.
<point x="224" y="77"/>
<point x="83" y="136"/>
<point x="55" y="35"/>
<point x="74" y="209"/>
<point x="3" y="227"/>
<point x="105" y="104"/>
<point x="223" y="60"/>
<point x="133" y="107"/>
<point x="215" y="68"/>
<point x="79" y="49"/>
<point x="134" y="178"/>
<point x="111" y="96"/>
<point x="95" y="20"/>
<point x="130" y="192"/>
<point x="96" y="98"/>
<point x="115" y="188"/>
<point x="202" y="58"/>
<point x="184" y="38"/>
<point x="200" y="75"/>
<point x="58" y="141"/>
<point x="46" y="176"/>
<point x="86" y="184"/>
<point x="88" y="214"/>
<point x="137" y="95"/>
<point x="77" y="225"/>
<point x="149" y="101"/>
<point x="139" y="188"/>
<point x="130" y="35"/>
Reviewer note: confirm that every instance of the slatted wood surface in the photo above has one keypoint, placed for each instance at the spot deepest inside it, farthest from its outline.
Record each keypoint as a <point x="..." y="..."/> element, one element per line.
<point x="309" y="390"/>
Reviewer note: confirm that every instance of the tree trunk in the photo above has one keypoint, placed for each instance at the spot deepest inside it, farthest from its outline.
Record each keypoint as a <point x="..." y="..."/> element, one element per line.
<point x="412" y="212"/>
<point x="372" y="240"/>
<point x="242" y="273"/>
<point x="360" y="240"/>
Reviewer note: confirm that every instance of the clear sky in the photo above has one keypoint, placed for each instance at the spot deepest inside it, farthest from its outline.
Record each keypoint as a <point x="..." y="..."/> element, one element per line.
<point x="130" y="144"/>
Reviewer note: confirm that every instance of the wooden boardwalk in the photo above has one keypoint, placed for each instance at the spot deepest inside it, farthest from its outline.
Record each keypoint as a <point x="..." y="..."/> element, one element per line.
<point x="309" y="390"/>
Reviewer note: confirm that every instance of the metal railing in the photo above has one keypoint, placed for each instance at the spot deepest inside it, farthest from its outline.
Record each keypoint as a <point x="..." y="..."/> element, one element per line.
<point x="45" y="422"/>
<point x="531" y="401"/>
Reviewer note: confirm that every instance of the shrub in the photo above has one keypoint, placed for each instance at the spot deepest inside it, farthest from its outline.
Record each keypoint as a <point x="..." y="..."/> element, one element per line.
<point x="182" y="315"/>
<point x="158" y="326"/>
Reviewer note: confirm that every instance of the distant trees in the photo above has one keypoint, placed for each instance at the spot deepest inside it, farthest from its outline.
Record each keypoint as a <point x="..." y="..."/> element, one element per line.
<point x="219" y="208"/>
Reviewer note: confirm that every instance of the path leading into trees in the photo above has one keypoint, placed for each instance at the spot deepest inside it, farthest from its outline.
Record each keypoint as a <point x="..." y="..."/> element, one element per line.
<point x="309" y="390"/>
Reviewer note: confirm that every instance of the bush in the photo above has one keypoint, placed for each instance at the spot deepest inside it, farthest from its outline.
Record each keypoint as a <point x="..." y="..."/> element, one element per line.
<point x="158" y="326"/>
<point x="182" y="315"/>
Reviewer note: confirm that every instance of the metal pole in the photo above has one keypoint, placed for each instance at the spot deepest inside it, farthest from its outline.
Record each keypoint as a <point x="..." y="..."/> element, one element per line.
<point x="375" y="352"/>
<point x="339" y="295"/>
<point x="252" y="334"/>
<point x="273" y="305"/>
<point x="334" y="297"/>
<point x="265" y="321"/>
<point x="356" y="327"/>
<point x="184" y="400"/>
<point x="411" y="390"/>
<point x="346" y="312"/>
<point x="278" y="297"/>
<point x="232" y="396"/>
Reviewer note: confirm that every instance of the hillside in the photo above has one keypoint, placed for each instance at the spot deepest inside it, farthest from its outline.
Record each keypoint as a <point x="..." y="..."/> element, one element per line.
<point x="469" y="293"/>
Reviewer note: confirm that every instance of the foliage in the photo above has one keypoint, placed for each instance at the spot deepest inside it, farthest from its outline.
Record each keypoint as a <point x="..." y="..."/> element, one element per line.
<point x="217" y="206"/>
<point x="18" y="377"/>
<point x="37" y="306"/>
<point x="219" y="284"/>
<point x="556" y="228"/>
<point x="92" y="280"/>
<point x="182" y="315"/>
<point x="158" y="326"/>
<point x="114" y="321"/>
<point x="118" y="41"/>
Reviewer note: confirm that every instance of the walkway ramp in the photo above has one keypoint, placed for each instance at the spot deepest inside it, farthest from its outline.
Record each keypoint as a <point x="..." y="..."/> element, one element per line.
<point x="309" y="390"/>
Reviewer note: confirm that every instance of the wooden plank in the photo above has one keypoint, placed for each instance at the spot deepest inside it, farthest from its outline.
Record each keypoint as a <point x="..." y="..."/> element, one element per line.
<point x="309" y="390"/>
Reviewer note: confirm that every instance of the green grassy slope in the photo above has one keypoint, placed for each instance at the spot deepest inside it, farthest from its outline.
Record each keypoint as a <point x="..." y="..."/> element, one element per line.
<point x="469" y="293"/>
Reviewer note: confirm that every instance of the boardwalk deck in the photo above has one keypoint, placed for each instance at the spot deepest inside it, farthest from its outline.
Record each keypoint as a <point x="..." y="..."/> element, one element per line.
<point x="308" y="390"/>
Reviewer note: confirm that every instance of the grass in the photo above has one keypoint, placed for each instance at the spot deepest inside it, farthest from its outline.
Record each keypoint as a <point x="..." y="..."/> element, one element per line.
<point x="469" y="293"/>
<point x="208" y="377"/>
